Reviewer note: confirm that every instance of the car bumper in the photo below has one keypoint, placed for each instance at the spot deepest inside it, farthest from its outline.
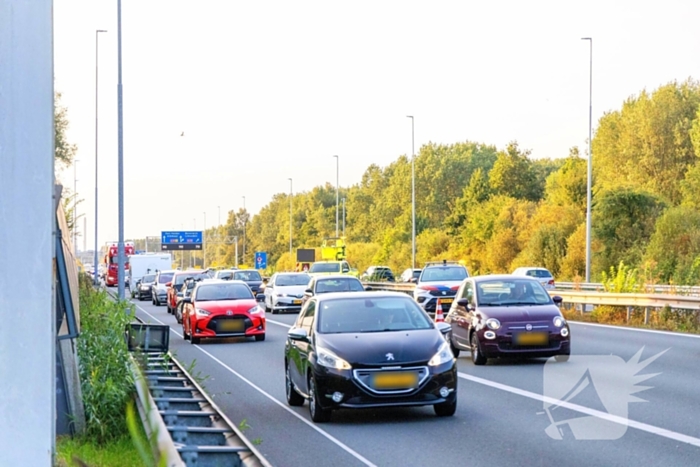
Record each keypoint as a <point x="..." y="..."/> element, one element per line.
<point x="503" y="346"/>
<point x="287" y="305"/>
<point x="356" y="396"/>
<point x="429" y="304"/>
<point x="210" y="327"/>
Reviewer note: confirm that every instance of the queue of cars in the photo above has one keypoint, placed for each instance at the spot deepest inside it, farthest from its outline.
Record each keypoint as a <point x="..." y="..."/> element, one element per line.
<point x="354" y="347"/>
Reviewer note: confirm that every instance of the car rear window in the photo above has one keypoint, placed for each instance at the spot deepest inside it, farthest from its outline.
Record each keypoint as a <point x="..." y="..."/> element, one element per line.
<point x="166" y="277"/>
<point x="538" y="273"/>
<point x="381" y="314"/>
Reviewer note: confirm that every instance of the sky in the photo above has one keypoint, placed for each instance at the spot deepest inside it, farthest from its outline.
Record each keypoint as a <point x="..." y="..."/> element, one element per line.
<point x="225" y="99"/>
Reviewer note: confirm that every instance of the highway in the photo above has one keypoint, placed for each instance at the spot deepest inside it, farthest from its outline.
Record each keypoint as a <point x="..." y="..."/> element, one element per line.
<point x="500" y="417"/>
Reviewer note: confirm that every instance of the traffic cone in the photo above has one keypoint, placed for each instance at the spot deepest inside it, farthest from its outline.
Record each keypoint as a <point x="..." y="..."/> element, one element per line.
<point x="439" y="318"/>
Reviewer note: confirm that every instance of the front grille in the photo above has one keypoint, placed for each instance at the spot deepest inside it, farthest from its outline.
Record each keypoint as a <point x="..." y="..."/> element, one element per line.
<point x="213" y="323"/>
<point x="443" y="293"/>
<point x="364" y="378"/>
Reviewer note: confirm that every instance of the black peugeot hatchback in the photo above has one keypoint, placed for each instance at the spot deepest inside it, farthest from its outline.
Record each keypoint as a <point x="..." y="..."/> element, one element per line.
<point x="365" y="350"/>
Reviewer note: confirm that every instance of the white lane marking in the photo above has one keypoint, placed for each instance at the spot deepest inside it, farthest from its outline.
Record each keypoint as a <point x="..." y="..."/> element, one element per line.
<point x="279" y="323"/>
<point x="625" y="328"/>
<point x="325" y="434"/>
<point x="585" y="410"/>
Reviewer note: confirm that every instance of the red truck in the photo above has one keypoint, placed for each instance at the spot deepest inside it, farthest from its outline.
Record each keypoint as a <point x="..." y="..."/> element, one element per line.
<point x="112" y="259"/>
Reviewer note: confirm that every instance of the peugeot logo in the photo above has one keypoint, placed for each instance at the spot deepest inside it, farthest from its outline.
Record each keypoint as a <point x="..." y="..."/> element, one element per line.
<point x="230" y="313"/>
<point x="390" y="356"/>
<point x="528" y="327"/>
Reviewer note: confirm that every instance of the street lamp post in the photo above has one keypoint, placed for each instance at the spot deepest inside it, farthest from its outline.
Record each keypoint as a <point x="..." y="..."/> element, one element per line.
<point x="290" y="218"/>
<point x="343" y="217"/>
<point x="337" y="172"/>
<point x="204" y="243"/>
<point x="121" y="258"/>
<point x="97" y="36"/>
<point x="413" y="193"/>
<point x="590" y="163"/>
<point x="75" y="207"/>
<point x="245" y="221"/>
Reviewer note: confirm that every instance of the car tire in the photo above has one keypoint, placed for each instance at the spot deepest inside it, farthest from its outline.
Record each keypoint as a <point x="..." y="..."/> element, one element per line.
<point x="274" y="312"/>
<point x="184" y="334"/>
<point x="446" y="409"/>
<point x="318" y="413"/>
<point x="293" y="397"/>
<point x="195" y="340"/>
<point x="259" y="337"/>
<point x="477" y="357"/>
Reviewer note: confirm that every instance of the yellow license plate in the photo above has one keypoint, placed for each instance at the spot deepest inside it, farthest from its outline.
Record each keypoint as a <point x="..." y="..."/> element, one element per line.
<point x="395" y="380"/>
<point x="446" y="300"/>
<point x="232" y="325"/>
<point x="531" y="338"/>
<point x="297" y="302"/>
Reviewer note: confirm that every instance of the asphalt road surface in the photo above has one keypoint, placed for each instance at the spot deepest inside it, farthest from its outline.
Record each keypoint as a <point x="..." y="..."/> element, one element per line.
<point x="501" y="417"/>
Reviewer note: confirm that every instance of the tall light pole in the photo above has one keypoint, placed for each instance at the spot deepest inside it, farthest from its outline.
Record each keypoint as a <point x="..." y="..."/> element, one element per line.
<point x="121" y="259"/>
<point x="97" y="36"/>
<point x="290" y="218"/>
<point x="413" y="193"/>
<point x="245" y="221"/>
<point x="75" y="207"/>
<point x="337" y="172"/>
<point x="343" y="217"/>
<point x="204" y="243"/>
<point x="590" y="163"/>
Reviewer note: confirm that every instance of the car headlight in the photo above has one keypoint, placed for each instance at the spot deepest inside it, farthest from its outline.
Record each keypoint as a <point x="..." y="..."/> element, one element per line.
<point x="443" y="355"/>
<point x="281" y="294"/>
<point x="199" y="311"/>
<point x="329" y="359"/>
<point x="559" y="321"/>
<point x="493" y="323"/>
<point x="256" y="310"/>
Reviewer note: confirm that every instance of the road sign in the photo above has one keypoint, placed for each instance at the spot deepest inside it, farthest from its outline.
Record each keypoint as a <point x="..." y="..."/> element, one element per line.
<point x="260" y="260"/>
<point x="181" y="240"/>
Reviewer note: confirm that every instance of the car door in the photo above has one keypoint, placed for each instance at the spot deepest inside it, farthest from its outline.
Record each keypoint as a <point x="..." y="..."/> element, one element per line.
<point x="460" y="317"/>
<point x="311" y="286"/>
<point x="269" y="291"/>
<point x="299" y="350"/>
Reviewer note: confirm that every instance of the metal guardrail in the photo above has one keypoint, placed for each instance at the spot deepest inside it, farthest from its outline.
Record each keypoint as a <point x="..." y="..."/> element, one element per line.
<point x="691" y="290"/>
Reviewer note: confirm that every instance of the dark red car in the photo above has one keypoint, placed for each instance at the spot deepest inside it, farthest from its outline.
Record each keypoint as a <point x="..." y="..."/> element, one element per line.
<point x="218" y="308"/>
<point x="174" y="287"/>
<point x="507" y="316"/>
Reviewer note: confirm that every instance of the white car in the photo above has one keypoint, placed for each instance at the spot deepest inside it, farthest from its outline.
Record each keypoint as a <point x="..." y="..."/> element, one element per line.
<point x="541" y="274"/>
<point x="285" y="290"/>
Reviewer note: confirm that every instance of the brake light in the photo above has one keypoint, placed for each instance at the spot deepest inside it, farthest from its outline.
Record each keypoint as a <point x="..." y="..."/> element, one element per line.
<point x="551" y="282"/>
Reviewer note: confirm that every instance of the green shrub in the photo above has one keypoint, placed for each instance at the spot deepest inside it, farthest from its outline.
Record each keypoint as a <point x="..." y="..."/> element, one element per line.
<point x="107" y="384"/>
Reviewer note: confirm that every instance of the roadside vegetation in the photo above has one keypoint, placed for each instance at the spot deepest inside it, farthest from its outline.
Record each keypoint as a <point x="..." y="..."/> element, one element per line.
<point x="113" y="435"/>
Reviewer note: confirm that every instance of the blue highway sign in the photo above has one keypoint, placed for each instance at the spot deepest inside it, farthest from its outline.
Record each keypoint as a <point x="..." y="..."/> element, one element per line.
<point x="181" y="240"/>
<point x="260" y="260"/>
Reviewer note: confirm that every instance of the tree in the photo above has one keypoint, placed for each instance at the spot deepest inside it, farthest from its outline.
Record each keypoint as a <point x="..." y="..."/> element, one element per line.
<point x="512" y="175"/>
<point x="64" y="151"/>
<point x="675" y="246"/>
<point x="568" y="186"/>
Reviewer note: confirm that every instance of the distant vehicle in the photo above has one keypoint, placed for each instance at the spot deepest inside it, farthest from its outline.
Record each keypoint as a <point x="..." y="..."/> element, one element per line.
<point x="507" y="316"/>
<point x="329" y="284"/>
<point x="250" y="276"/>
<point x="220" y="308"/>
<point x="176" y="283"/>
<point x="410" y="275"/>
<point x="541" y="274"/>
<point x="330" y="267"/>
<point x="111" y="259"/>
<point x="368" y="349"/>
<point x="149" y="263"/>
<point x="284" y="291"/>
<point x="185" y="291"/>
<point x="142" y="287"/>
<point x="439" y="280"/>
<point x="226" y="274"/>
<point x="159" y="291"/>
<point x="378" y="274"/>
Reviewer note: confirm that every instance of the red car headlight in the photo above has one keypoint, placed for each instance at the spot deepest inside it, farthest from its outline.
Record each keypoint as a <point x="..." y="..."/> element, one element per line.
<point x="256" y="310"/>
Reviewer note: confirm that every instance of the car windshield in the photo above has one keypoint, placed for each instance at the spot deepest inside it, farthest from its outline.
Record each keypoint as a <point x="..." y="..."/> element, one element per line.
<point x="444" y="273"/>
<point x="416" y="273"/>
<point x="223" y="292"/>
<point x="181" y="278"/>
<point x="226" y="275"/>
<point x="166" y="277"/>
<point x="148" y="279"/>
<point x="339" y="285"/>
<point x="539" y="273"/>
<point x="325" y="267"/>
<point x="511" y="292"/>
<point x="380" y="314"/>
<point x="285" y="280"/>
<point x="247" y="276"/>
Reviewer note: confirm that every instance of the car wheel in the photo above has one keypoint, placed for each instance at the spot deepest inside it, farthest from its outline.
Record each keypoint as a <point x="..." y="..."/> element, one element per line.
<point x="446" y="409"/>
<point x="562" y="358"/>
<point x="184" y="333"/>
<point x="153" y="300"/>
<point x="259" y="337"/>
<point x="477" y="357"/>
<point x="195" y="340"/>
<point x="274" y="312"/>
<point x="293" y="397"/>
<point x="318" y="413"/>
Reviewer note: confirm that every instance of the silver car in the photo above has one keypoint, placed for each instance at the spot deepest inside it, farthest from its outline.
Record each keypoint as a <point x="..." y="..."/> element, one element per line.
<point x="541" y="274"/>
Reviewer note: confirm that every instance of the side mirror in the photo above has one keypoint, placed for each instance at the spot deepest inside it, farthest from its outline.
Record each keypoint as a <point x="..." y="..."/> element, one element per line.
<point x="260" y="297"/>
<point x="186" y="299"/>
<point x="297" y="334"/>
<point x="557" y="300"/>
<point x="168" y="284"/>
<point x="308" y="292"/>
<point x="368" y="288"/>
<point x="444" y="328"/>
<point x="463" y="302"/>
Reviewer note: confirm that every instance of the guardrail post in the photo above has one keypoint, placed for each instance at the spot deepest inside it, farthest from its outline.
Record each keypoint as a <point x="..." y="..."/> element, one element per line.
<point x="629" y="313"/>
<point x="646" y="315"/>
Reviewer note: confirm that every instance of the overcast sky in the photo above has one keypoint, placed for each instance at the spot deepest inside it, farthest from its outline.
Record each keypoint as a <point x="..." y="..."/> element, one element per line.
<point x="268" y="90"/>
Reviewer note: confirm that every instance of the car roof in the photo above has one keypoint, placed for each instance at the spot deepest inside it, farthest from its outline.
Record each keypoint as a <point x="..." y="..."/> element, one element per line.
<point x="335" y="277"/>
<point x="497" y="277"/>
<point x="530" y="268"/>
<point x="168" y="271"/>
<point x="222" y="281"/>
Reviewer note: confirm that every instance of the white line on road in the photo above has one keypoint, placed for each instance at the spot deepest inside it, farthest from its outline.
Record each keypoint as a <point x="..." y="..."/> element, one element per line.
<point x="578" y="408"/>
<point x="625" y="328"/>
<point x="325" y="434"/>
<point x="585" y="410"/>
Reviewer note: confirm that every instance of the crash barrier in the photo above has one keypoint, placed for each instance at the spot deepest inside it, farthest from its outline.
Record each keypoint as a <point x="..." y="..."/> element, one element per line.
<point x="186" y="427"/>
<point x="690" y="290"/>
<point x="585" y="300"/>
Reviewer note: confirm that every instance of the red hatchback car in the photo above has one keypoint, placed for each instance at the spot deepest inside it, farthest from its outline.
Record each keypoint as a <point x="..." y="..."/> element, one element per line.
<point x="222" y="309"/>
